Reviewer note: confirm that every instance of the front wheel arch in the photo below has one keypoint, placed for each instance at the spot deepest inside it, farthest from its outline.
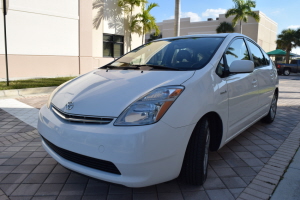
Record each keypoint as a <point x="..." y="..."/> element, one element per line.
<point x="216" y="127"/>
<point x="194" y="166"/>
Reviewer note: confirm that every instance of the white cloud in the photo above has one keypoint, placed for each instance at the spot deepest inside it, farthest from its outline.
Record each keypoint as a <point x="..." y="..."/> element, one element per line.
<point x="296" y="50"/>
<point x="294" y="26"/>
<point x="194" y="16"/>
<point x="209" y="13"/>
<point x="213" y="13"/>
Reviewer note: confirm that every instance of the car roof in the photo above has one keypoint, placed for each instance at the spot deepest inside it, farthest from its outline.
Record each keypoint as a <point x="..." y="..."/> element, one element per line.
<point x="223" y="35"/>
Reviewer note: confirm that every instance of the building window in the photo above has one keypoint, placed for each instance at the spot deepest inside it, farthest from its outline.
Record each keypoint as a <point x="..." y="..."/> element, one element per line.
<point x="113" y="45"/>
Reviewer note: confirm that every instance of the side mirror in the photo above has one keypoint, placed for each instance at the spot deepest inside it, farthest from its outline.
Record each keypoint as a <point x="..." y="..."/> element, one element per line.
<point x="241" y="66"/>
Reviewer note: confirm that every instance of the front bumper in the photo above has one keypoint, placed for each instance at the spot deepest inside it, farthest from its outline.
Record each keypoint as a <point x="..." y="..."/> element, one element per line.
<point x="144" y="155"/>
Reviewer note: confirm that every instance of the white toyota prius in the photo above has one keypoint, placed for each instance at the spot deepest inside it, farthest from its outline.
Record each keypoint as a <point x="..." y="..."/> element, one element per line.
<point x="153" y="114"/>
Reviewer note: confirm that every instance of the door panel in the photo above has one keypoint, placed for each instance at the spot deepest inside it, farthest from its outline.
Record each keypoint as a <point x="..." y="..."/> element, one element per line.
<point x="242" y="90"/>
<point x="242" y="101"/>
<point x="265" y="76"/>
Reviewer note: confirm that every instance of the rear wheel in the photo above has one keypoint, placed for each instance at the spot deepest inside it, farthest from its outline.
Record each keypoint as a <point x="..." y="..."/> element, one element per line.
<point x="286" y="71"/>
<point x="194" y="167"/>
<point x="272" y="112"/>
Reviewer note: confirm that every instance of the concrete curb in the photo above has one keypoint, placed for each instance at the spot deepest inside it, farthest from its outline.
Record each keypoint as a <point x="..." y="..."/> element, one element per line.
<point x="27" y="91"/>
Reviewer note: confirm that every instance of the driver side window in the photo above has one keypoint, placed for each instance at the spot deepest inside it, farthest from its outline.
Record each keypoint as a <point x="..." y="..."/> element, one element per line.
<point x="237" y="51"/>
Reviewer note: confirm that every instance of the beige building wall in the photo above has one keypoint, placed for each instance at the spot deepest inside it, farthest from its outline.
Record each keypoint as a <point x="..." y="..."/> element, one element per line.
<point x="264" y="32"/>
<point x="57" y="38"/>
<point x="41" y="37"/>
<point x="113" y="22"/>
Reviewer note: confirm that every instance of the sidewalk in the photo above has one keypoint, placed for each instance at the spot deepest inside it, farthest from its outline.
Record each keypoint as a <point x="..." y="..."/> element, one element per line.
<point x="289" y="186"/>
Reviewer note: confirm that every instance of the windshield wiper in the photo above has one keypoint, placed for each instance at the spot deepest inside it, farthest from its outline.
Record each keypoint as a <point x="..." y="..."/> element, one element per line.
<point x="157" y="67"/>
<point x="118" y="67"/>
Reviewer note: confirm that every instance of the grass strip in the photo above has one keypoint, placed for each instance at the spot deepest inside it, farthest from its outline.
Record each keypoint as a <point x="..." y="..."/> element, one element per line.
<point x="34" y="83"/>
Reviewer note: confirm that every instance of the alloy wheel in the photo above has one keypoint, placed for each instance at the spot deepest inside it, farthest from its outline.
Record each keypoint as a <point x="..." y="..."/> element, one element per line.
<point x="205" y="161"/>
<point x="273" y="107"/>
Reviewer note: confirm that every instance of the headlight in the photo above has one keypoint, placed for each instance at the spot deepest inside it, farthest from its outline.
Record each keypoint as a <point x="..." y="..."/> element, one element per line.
<point x="54" y="92"/>
<point x="149" y="108"/>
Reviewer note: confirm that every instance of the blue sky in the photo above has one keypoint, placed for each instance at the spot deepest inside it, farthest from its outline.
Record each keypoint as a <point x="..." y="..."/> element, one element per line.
<point x="285" y="12"/>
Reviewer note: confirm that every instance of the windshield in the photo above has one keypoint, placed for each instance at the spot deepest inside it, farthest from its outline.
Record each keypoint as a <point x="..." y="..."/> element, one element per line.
<point x="177" y="54"/>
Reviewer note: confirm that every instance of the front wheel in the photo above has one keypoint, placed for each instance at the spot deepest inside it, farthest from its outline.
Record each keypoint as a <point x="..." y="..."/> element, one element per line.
<point x="194" y="167"/>
<point x="286" y="71"/>
<point x="269" y="118"/>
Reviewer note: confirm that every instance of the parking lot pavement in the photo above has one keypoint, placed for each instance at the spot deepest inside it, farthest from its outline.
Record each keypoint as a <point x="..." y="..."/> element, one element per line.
<point x="248" y="167"/>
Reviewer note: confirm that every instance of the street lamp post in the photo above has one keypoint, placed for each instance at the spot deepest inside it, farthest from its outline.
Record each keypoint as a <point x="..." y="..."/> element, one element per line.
<point x="5" y="7"/>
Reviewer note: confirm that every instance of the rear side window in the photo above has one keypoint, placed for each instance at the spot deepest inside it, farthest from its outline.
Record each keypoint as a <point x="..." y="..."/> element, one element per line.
<point x="267" y="58"/>
<point x="257" y="55"/>
<point x="236" y="51"/>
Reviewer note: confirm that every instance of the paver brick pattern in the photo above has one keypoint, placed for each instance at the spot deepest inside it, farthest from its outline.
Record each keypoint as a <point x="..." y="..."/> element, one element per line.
<point x="28" y="172"/>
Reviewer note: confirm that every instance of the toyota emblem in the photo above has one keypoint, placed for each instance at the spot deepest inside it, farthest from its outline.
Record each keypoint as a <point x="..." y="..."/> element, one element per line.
<point x="69" y="105"/>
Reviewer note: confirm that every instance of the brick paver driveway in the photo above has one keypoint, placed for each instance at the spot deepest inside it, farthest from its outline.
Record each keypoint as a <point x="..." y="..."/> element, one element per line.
<point x="27" y="172"/>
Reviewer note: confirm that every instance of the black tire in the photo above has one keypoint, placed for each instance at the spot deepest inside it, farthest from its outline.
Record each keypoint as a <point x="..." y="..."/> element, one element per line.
<point x="286" y="71"/>
<point x="195" y="163"/>
<point x="269" y="118"/>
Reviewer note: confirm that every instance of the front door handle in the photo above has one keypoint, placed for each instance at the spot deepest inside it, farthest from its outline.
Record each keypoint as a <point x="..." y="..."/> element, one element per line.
<point x="223" y="92"/>
<point x="254" y="83"/>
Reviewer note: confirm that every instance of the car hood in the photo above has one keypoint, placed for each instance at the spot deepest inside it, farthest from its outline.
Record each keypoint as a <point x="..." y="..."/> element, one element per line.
<point x="107" y="93"/>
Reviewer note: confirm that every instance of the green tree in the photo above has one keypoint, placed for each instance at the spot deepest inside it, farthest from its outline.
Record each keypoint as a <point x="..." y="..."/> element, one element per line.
<point x="288" y="39"/>
<point x="128" y="7"/>
<point x="147" y="21"/>
<point x="241" y="11"/>
<point x="225" y="27"/>
<point x="153" y="36"/>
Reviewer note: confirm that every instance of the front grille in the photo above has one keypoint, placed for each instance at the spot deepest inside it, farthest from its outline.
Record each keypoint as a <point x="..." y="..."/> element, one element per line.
<point x="81" y="118"/>
<point x="87" y="161"/>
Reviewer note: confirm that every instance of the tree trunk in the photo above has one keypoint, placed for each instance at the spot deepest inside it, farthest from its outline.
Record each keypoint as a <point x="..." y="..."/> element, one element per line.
<point x="287" y="57"/>
<point x="143" y="37"/>
<point x="241" y="26"/>
<point x="177" y="18"/>
<point x="130" y="37"/>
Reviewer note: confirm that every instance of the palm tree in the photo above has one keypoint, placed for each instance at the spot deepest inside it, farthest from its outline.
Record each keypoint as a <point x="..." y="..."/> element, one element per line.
<point x="128" y="7"/>
<point x="147" y="20"/>
<point x="225" y="27"/>
<point x="287" y="40"/>
<point x="241" y="10"/>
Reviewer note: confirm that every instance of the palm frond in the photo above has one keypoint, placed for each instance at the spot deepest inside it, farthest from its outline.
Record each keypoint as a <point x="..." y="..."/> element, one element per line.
<point x="254" y="15"/>
<point x="230" y="12"/>
<point x="235" y="20"/>
<point x="245" y="19"/>
<point x="97" y="19"/>
<point x="152" y="5"/>
<point x="98" y="4"/>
